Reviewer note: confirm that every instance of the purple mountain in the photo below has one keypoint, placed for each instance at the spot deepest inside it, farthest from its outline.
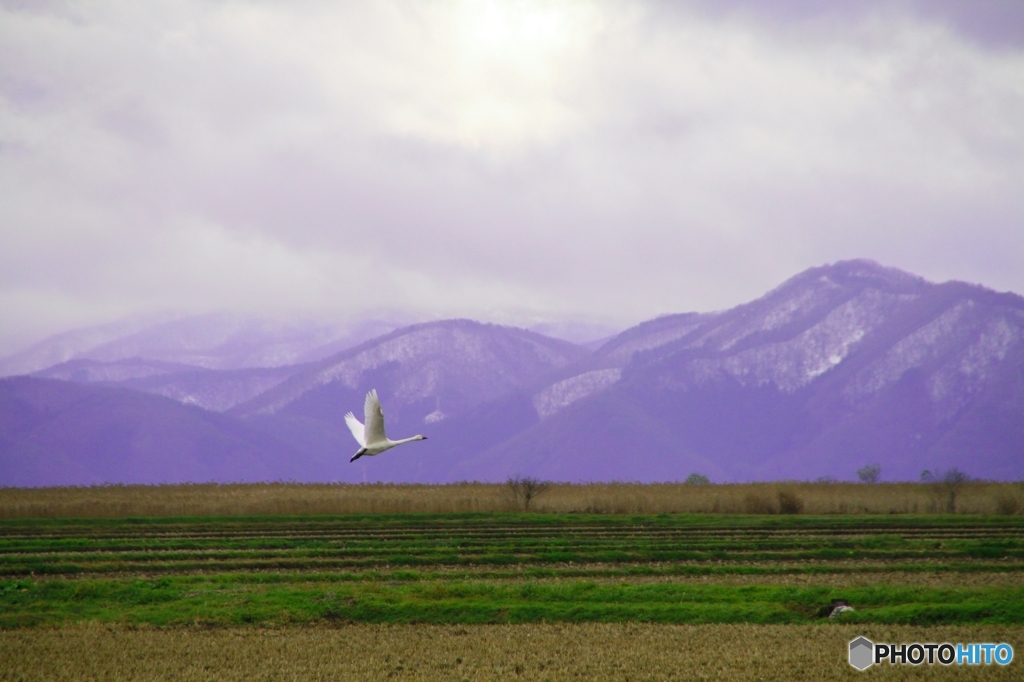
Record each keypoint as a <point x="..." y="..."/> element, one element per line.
<point x="217" y="390"/>
<point x="427" y="372"/>
<point x="840" y="366"/>
<point x="61" y="433"/>
<point x="429" y="376"/>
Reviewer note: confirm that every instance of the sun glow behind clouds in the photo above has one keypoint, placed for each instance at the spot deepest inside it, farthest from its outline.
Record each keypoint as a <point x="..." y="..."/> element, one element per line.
<point x="501" y="27"/>
<point x="471" y="157"/>
<point x="500" y="79"/>
<point x="484" y="75"/>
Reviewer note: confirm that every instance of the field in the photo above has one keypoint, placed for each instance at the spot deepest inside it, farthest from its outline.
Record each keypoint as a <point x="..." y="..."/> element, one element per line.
<point x="500" y="595"/>
<point x="977" y="497"/>
<point x="591" y="651"/>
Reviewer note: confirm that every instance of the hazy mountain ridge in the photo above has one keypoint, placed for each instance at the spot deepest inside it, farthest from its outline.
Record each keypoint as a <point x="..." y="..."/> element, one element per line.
<point x="217" y="390"/>
<point x="84" y="371"/>
<point x="71" y="345"/>
<point x="211" y="341"/>
<point x="839" y="366"/>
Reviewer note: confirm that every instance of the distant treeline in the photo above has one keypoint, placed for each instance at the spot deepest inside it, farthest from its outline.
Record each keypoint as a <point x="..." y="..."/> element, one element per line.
<point x="962" y="497"/>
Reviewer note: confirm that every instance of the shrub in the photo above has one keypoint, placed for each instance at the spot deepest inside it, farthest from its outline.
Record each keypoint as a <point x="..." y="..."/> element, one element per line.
<point x="697" y="479"/>
<point x="524" y="489"/>
<point x="789" y="503"/>
<point x="869" y="473"/>
<point x="946" y="485"/>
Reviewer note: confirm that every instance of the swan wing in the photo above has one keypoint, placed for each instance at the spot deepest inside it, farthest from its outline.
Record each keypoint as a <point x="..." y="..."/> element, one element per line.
<point x="356" y="428"/>
<point x="374" y="418"/>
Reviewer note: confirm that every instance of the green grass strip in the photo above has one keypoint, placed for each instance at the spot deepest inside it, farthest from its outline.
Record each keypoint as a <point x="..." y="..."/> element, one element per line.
<point x="227" y="600"/>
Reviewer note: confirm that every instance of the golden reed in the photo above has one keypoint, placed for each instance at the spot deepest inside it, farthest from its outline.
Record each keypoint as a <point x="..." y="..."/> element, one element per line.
<point x="209" y="499"/>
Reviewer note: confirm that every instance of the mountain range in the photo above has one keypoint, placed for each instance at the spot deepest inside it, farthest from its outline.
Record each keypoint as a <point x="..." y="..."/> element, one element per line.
<point x="210" y="341"/>
<point x="840" y="366"/>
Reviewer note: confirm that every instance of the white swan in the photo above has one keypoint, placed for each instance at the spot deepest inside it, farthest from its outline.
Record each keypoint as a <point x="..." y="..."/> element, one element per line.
<point x="371" y="437"/>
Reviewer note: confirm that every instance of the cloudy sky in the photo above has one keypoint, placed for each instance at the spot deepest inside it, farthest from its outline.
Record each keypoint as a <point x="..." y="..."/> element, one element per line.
<point x="515" y="161"/>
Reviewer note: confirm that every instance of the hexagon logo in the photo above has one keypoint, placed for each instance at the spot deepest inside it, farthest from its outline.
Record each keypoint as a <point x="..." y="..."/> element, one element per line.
<point x="862" y="652"/>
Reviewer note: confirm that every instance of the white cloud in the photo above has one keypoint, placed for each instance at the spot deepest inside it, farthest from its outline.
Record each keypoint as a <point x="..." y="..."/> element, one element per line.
<point x="511" y="159"/>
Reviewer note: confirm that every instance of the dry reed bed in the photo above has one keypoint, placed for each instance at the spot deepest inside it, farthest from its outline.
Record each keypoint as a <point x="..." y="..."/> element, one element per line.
<point x="613" y="498"/>
<point x="590" y="651"/>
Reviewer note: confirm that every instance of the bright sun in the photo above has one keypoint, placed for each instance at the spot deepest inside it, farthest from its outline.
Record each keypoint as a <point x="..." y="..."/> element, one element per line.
<point x="517" y="26"/>
<point x="499" y="69"/>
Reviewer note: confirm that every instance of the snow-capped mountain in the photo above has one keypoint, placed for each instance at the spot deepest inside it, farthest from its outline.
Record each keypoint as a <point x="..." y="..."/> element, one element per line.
<point x="425" y="373"/>
<point x="839" y="366"/>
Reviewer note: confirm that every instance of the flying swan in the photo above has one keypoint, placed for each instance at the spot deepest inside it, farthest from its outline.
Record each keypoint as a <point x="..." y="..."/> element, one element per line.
<point x="371" y="437"/>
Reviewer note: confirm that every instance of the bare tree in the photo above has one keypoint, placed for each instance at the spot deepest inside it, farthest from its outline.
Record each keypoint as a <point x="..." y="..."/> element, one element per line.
<point x="869" y="473"/>
<point x="947" y="485"/>
<point x="524" y="489"/>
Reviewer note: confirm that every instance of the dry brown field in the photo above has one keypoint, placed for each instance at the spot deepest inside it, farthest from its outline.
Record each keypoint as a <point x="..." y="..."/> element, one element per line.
<point x="597" y="652"/>
<point x="613" y="498"/>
